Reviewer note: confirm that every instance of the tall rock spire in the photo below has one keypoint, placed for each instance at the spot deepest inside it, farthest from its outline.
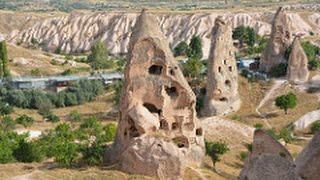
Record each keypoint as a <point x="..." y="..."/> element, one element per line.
<point x="158" y="131"/>
<point x="222" y="82"/>
<point x="297" y="71"/>
<point x="280" y="40"/>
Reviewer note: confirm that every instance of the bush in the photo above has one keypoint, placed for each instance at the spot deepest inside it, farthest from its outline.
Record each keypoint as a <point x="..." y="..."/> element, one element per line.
<point x="315" y="127"/>
<point x="28" y="152"/>
<point x="249" y="147"/>
<point x="195" y="48"/>
<point x="7" y="123"/>
<point x="93" y="155"/>
<point x="272" y="133"/>
<point x="117" y="87"/>
<point x="65" y="151"/>
<point x="258" y="126"/>
<point x="5" y="108"/>
<point x="52" y="117"/>
<point x="74" y="116"/>
<point x="285" y="102"/>
<point x="286" y="135"/>
<point x="25" y="120"/>
<point x="314" y="64"/>
<point x="243" y="155"/>
<point x="215" y="150"/>
<point x="279" y="70"/>
<point x="5" y="153"/>
<point x="192" y="68"/>
<point x="110" y="130"/>
<point x="181" y="49"/>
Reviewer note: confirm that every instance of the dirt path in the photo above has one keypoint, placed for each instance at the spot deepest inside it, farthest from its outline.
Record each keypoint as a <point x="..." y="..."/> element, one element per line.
<point x="277" y="84"/>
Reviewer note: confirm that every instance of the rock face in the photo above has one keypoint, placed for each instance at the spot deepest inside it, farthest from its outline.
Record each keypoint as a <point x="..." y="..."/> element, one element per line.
<point x="308" y="161"/>
<point x="306" y="120"/>
<point x="298" y="64"/>
<point x="222" y="82"/>
<point x="158" y="132"/>
<point x="280" y="40"/>
<point x="78" y="31"/>
<point x="270" y="160"/>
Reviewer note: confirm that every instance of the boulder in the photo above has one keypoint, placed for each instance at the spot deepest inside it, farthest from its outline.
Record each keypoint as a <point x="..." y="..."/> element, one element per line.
<point x="158" y="132"/>
<point x="222" y="95"/>
<point x="279" y="41"/>
<point x="308" y="161"/>
<point x="297" y="71"/>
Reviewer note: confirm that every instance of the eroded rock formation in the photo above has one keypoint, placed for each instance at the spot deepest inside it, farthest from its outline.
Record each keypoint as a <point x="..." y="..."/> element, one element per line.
<point x="308" y="161"/>
<point x="270" y="160"/>
<point x="297" y="71"/>
<point x="279" y="41"/>
<point x="158" y="132"/>
<point x="222" y="82"/>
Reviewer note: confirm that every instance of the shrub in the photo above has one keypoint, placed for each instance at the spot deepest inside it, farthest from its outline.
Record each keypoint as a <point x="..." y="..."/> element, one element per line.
<point x="258" y="126"/>
<point x="249" y="147"/>
<point x="5" y="108"/>
<point x="5" y="153"/>
<point x="215" y="150"/>
<point x="243" y="155"/>
<point x="65" y="151"/>
<point x="25" y="120"/>
<point x="35" y="72"/>
<point x="110" y="130"/>
<point x="314" y="64"/>
<point x="315" y="127"/>
<point x="287" y="101"/>
<point x="279" y="70"/>
<point x="286" y="135"/>
<point x="272" y="133"/>
<point x="93" y="155"/>
<point x="181" y="49"/>
<point x="74" y="116"/>
<point x="7" y="123"/>
<point x="117" y="87"/>
<point x="52" y="117"/>
<point x="192" y="68"/>
<point x="28" y="152"/>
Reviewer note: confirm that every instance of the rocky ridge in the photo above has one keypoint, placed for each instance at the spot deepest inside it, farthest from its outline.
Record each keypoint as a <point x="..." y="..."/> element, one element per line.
<point x="78" y="31"/>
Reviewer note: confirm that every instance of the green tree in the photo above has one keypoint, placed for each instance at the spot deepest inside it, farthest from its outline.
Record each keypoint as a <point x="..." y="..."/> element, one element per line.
<point x="110" y="130"/>
<point x="192" y="68"/>
<point x="4" y="72"/>
<point x="98" y="58"/>
<point x="93" y="154"/>
<point x="251" y="40"/>
<point x="286" y="135"/>
<point x="181" y="49"/>
<point x="314" y="64"/>
<point x="215" y="150"/>
<point x="279" y="70"/>
<point x="287" y="101"/>
<point x="28" y="152"/>
<point x="240" y="34"/>
<point x="65" y="151"/>
<point x="117" y="87"/>
<point x="195" y="48"/>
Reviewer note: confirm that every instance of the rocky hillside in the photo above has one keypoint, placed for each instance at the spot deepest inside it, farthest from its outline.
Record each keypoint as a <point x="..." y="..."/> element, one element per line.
<point x="78" y="31"/>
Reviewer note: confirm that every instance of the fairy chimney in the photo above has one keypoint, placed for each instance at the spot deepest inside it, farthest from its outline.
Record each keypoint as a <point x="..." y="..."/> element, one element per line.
<point x="222" y="95"/>
<point x="158" y="132"/>
<point x="297" y="71"/>
<point x="280" y="39"/>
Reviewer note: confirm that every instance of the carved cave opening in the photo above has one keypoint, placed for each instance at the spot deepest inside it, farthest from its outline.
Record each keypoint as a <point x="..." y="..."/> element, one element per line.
<point x="155" y="69"/>
<point x="152" y="108"/>
<point x="223" y="99"/>
<point x="228" y="83"/>
<point x="172" y="91"/>
<point x="133" y="131"/>
<point x="230" y="68"/>
<point x="181" y="141"/>
<point x="199" y="132"/>
<point x="164" y="124"/>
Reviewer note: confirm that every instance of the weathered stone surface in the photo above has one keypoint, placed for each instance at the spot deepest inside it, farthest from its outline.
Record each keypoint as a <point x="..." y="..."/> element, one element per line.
<point x="268" y="167"/>
<point x="298" y="63"/>
<point x="222" y="82"/>
<point x="158" y="132"/>
<point x="263" y="143"/>
<point x="280" y="40"/>
<point x="308" y="161"/>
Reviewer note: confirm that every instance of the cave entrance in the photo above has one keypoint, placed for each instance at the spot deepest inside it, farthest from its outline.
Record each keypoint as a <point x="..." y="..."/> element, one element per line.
<point x="152" y="108"/>
<point x="155" y="69"/>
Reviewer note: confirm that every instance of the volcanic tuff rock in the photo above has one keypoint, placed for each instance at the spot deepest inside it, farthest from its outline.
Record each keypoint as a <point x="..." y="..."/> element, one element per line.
<point x="222" y="94"/>
<point x="78" y="31"/>
<point x="280" y="40"/>
<point x="298" y="63"/>
<point x="270" y="160"/>
<point x="308" y="161"/>
<point x="158" y="132"/>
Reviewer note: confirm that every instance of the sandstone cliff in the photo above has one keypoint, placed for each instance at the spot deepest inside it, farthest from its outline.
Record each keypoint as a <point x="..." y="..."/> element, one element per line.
<point x="78" y="31"/>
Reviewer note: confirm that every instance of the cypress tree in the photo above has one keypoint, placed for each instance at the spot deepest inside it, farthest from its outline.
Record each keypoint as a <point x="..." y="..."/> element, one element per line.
<point x="4" y="60"/>
<point x="195" y="48"/>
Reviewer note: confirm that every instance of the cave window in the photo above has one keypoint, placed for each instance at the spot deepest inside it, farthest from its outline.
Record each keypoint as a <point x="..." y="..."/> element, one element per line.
<point x="155" y="69"/>
<point x="181" y="142"/>
<point x="152" y="108"/>
<point x="172" y="72"/>
<point x="223" y="99"/>
<point x="164" y="125"/>
<point x="230" y="68"/>
<point x="225" y="62"/>
<point x="228" y="83"/>
<point x="172" y="91"/>
<point x="133" y="131"/>
<point x="219" y="69"/>
<point x="174" y="126"/>
<point x="199" y="132"/>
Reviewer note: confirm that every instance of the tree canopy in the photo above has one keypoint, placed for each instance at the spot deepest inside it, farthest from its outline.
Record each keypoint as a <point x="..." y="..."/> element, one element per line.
<point x="287" y="101"/>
